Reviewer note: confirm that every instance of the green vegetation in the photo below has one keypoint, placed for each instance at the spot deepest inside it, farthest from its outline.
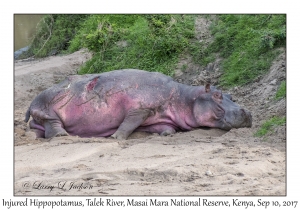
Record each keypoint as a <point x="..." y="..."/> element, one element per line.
<point x="149" y="42"/>
<point x="248" y="43"/>
<point x="281" y="92"/>
<point x="269" y="125"/>
<point x="54" y="33"/>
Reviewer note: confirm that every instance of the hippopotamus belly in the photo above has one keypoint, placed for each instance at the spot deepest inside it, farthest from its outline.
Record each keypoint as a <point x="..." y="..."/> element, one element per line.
<point x="105" y="120"/>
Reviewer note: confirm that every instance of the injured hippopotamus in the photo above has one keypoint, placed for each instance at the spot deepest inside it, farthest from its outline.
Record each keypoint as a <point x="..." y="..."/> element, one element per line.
<point x="119" y="102"/>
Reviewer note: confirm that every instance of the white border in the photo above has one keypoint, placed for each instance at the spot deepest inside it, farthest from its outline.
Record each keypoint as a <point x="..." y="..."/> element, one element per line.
<point x="154" y="6"/>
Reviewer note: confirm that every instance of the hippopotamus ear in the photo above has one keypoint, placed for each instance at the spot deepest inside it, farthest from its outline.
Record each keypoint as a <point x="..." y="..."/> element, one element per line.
<point x="207" y="88"/>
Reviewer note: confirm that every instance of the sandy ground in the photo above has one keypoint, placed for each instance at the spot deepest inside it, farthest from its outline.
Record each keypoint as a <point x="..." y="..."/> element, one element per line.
<point x="199" y="162"/>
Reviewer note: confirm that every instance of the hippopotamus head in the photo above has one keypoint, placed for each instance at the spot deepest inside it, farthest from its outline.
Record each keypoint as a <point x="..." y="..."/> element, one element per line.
<point x="214" y="109"/>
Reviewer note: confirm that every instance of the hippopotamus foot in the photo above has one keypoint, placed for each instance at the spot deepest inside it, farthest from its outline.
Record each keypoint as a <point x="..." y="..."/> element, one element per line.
<point x="132" y="120"/>
<point x="161" y="129"/>
<point x="168" y="132"/>
<point x="53" y="128"/>
<point x="61" y="134"/>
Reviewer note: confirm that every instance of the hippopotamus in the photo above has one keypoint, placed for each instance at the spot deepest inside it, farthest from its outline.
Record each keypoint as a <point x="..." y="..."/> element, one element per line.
<point x="119" y="102"/>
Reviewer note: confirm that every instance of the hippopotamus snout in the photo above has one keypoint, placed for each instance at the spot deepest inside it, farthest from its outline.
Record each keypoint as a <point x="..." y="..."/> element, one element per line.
<point x="248" y="118"/>
<point x="237" y="118"/>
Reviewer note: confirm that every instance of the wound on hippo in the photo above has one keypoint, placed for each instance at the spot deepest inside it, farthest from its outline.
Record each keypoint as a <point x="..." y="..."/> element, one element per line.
<point x="90" y="86"/>
<point x="124" y="101"/>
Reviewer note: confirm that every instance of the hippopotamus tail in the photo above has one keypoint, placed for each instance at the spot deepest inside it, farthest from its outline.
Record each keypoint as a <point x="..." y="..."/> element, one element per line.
<point x="27" y="116"/>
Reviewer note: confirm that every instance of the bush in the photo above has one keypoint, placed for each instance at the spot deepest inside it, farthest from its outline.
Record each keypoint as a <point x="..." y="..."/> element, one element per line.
<point x="150" y="42"/>
<point x="53" y="34"/>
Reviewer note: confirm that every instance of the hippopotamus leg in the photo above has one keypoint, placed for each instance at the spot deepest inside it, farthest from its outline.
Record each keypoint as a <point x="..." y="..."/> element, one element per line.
<point x="54" y="128"/>
<point x="45" y="126"/>
<point x="133" y="119"/>
<point x="50" y="129"/>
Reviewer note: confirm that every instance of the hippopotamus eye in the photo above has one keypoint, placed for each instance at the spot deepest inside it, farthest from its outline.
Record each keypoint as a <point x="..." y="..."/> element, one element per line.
<point x="218" y="95"/>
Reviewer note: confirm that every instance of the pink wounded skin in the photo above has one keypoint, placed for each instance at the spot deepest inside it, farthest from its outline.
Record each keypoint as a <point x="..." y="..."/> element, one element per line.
<point x="119" y="102"/>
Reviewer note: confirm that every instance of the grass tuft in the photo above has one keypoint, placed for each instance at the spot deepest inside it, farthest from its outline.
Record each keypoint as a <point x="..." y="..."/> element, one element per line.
<point x="269" y="125"/>
<point x="281" y="92"/>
